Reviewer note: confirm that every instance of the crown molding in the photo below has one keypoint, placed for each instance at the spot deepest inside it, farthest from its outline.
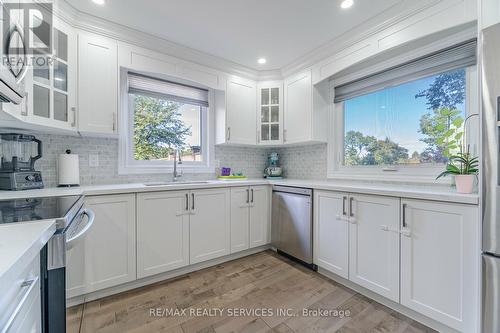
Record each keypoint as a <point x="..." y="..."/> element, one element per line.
<point x="404" y="10"/>
<point x="391" y="18"/>
<point x="122" y="33"/>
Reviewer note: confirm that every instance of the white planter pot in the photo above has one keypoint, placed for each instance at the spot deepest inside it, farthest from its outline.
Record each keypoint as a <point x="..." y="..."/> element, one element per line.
<point x="465" y="183"/>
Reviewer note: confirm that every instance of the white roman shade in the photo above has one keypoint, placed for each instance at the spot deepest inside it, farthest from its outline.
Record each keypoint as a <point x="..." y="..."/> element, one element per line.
<point x="455" y="57"/>
<point x="158" y="88"/>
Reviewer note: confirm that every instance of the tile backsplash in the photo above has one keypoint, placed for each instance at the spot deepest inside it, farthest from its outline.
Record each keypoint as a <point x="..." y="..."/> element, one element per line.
<point x="304" y="162"/>
<point x="250" y="161"/>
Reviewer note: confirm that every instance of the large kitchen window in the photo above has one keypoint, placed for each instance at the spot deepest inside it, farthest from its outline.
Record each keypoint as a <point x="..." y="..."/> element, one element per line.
<point x="165" y="119"/>
<point x="406" y="118"/>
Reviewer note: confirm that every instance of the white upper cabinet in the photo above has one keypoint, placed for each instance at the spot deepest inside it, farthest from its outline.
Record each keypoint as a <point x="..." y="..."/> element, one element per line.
<point x="490" y="13"/>
<point x="50" y="96"/>
<point x="331" y="232"/>
<point x="440" y="262"/>
<point x="210" y="230"/>
<point x="162" y="232"/>
<point x="270" y="113"/>
<point x="97" y="84"/>
<point x="305" y="115"/>
<point x="374" y="244"/>
<point x="236" y="112"/>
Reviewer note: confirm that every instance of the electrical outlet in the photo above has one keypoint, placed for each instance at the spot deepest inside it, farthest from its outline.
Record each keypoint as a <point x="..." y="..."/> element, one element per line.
<point x="94" y="160"/>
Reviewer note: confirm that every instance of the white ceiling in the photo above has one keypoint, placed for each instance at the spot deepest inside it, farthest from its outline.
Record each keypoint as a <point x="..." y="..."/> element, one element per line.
<point x="241" y="30"/>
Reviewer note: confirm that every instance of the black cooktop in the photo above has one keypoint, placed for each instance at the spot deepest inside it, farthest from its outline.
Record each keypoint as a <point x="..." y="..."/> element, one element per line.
<point x="34" y="209"/>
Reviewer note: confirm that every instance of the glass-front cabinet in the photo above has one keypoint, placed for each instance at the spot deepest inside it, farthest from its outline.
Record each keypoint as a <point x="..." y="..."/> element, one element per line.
<point x="270" y="113"/>
<point x="51" y="81"/>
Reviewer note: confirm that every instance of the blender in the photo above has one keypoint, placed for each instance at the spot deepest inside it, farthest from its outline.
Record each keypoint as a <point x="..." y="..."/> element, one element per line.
<point x="19" y="152"/>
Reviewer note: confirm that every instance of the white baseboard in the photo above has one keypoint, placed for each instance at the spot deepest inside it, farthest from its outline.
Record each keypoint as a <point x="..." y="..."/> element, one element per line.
<point x="160" y="277"/>
<point x="390" y="304"/>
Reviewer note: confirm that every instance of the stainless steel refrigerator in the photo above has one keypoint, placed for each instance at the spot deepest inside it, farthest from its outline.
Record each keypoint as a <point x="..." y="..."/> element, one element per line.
<point x="491" y="178"/>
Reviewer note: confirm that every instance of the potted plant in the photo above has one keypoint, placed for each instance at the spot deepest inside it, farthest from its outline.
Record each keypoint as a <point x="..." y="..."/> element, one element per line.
<point x="465" y="168"/>
<point x="462" y="164"/>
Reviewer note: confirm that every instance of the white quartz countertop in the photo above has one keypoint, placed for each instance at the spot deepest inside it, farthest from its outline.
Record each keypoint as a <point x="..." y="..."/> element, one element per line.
<point x="438" y="193"/>
<point x="20" y="243"/>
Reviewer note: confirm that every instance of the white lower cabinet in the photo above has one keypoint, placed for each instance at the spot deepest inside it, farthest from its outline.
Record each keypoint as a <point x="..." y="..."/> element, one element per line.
<point x="374" y="244"/>
<point x="331" y="232"/>
<point x="250" y="217"/>
<point x="106" y="257"/>
<point x="240" y="203"/>
<point x="210" y="230"/>
<point x="260" y="200"/>
<point x="162" y="232"/>
<point x="440" y="262"/>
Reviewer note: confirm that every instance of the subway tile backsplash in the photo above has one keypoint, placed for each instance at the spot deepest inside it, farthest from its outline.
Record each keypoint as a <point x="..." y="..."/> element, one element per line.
<point x="305" y="162"/>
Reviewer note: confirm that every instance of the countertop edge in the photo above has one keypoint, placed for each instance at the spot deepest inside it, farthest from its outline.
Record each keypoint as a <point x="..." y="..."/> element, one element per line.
<point x="394" y="190"/>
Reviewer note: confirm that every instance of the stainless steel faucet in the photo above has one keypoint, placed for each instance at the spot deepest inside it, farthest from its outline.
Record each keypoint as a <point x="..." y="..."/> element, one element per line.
<point x="177" y="160"/>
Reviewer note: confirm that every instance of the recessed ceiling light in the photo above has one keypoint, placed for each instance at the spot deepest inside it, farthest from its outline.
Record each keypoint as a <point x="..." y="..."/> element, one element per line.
<point x="98" y="2"/>
<point x="262" y="61"/>
<point x="346" y="4"/>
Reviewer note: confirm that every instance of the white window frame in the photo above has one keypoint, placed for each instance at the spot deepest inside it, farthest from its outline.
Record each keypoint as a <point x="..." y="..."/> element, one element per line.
<point x="399" y="173"/>
<point x="127" y="163"/>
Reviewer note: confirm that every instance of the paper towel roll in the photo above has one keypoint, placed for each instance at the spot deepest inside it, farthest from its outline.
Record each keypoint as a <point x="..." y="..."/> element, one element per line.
<point x="68" y="167"/>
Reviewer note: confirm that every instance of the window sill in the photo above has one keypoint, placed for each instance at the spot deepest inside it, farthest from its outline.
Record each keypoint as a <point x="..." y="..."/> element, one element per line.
<point x="392" y="177"/>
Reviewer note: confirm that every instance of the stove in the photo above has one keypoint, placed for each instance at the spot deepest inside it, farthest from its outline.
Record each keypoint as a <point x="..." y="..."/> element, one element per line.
<point x="63" y="209"/>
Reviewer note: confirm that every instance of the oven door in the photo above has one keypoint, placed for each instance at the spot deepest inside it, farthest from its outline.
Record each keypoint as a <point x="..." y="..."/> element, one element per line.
<point x="79" y="227"/>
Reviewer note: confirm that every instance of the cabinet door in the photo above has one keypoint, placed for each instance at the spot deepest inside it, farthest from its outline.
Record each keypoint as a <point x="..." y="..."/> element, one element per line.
<point x="259" y="216"/>
<point x="440" y="262"/>
<point x="110" y="248"/>
<point x="210" y="229"/>
<point x="97" y="84"/>
<point x="240" y="202"/>
<point x="331" y="232"/>
<point x="270" y="113"/>
<point x="298" y="108"/>
<point x="240" y="111"/>
<point x="374" y="244"/>
<point x="162" y="232"/>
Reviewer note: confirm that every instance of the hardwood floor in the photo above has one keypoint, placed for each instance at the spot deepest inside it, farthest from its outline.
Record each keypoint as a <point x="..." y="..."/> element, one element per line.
<point x="262" y="281"/>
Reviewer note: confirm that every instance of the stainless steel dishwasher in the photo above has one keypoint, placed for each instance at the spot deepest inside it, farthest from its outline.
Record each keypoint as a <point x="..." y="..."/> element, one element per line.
<point x="292" y="223"/>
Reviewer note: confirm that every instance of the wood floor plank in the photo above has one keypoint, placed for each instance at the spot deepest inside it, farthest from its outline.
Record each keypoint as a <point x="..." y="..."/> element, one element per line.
<point x="261" y="281"/>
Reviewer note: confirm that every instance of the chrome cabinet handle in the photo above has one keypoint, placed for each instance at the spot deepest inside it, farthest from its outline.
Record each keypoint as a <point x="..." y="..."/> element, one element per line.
<point x="228" y="133"/>
<point x="344" y="199"/>
<point x="351" y="213"/>
<point x="187" y="201"/>
<point x="192" y="201"/>
<point x="29" y="284"/>
<point x="73" y="109"/>
<point x="252" y="196"/>
<point x="404" y="215"/>
<point x="248" y="196"/>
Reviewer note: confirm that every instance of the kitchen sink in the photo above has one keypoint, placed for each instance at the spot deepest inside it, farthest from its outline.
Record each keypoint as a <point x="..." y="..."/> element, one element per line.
<point x="176" y="183"/>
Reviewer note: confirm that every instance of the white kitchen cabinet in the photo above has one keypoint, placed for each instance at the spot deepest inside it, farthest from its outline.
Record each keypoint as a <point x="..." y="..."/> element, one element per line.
<point x="250" y="216"/>
<point x="236" y="112"/>
<point x="106" y="257"/>
<point x="331" y="232"/>
<point x="162" y="232"/>
<point x="440" y="262"/>
<point x="306" y="109"/>
<point x="97" y="84"/>
<point x="240" y="203"/>
<point x="490" y="13"/>
<point x="259" y="217"/>
<point x="50" y="85"/>
<point x="270" y="113"/>
<point x="374" y="243"/>
<point x="210" y="230"/>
